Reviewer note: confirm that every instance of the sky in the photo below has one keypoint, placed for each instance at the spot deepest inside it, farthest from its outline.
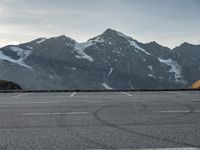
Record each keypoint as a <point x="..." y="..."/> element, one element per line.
<point x="168" y="22"/>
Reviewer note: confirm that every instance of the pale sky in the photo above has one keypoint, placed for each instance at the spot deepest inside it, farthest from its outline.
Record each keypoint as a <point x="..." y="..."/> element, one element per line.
<point x="169" y="22"/>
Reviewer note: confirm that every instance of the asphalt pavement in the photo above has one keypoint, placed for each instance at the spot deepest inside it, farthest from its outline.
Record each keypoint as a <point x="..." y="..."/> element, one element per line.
<point x="100" y="120"/>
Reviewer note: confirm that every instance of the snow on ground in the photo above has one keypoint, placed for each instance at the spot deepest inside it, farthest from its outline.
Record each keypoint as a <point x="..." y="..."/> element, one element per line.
<point x="40" y="40"/>
<point x="132" y="42"/>
<point x="81" y="53"/>
<point x="175" y="67"/>
<point x="106" y="86"/>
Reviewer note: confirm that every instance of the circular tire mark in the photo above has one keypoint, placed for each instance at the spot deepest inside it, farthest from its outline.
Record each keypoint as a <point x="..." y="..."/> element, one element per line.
<point x="61" y="123"/>
<point x="107" y="123"/>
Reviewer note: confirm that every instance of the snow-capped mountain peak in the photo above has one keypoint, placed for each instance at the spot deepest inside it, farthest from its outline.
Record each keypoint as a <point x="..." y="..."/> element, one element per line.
<point x="109" y="35"/>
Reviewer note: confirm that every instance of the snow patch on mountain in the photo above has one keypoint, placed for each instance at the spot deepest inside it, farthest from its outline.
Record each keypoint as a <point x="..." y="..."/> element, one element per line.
<point x="151" y="75"/>
<point x="52" y="77"/>
<point x="30" y="47"/>
<point x="110" y="72"/>
<point x="21" y="52"/>
<point x="132" y="42"/>
<point x="106" y="86"/>
<point x="123" y="35"/>
<point x="130" y="85"/>
<point x="40" y="40"/>
<point x="116" y="51"/>
<point x="96" y="40"/>
<point x="175" y="67"/>
<point x="19" y="61"/>
<point x="85" y="44"/>
<point x="73" y="68"/>
<point x="150" y="68"/>
<point x="143" y="59"/>
<point x="81" y="53"/>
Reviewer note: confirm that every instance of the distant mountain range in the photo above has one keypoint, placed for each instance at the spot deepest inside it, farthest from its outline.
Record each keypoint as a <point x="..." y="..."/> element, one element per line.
<point x="111" y="60"/>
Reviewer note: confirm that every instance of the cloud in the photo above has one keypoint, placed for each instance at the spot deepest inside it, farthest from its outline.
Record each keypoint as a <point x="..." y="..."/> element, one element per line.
<point x="163" y="21"/>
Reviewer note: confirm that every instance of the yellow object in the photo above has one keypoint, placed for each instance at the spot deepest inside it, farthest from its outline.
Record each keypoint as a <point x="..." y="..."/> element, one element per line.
<point x="196" y="85"/>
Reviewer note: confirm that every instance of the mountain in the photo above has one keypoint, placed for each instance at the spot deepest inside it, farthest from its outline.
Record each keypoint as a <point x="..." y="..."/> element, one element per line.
<point x="190" y="61"/>
<point x="111" y="60"/>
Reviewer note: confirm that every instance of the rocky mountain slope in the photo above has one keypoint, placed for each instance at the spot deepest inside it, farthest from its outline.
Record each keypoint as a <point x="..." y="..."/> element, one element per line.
<point x="111" y="60"/>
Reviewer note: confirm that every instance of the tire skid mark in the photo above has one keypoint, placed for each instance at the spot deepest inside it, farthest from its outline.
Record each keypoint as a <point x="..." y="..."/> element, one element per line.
<point x="107" y="123"/>
<point x="61" y="124"/>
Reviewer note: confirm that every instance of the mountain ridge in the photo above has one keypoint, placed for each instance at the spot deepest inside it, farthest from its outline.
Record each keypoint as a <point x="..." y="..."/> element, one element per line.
<point x="39" y="38"/>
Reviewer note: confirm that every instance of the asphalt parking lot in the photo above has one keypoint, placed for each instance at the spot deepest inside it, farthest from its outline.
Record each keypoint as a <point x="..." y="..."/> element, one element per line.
<point x="100" y="120"/>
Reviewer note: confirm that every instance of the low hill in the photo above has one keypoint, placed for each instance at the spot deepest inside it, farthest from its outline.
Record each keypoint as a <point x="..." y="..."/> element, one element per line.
<point x="6" y="85"/>
<point x="196" y="85"/>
